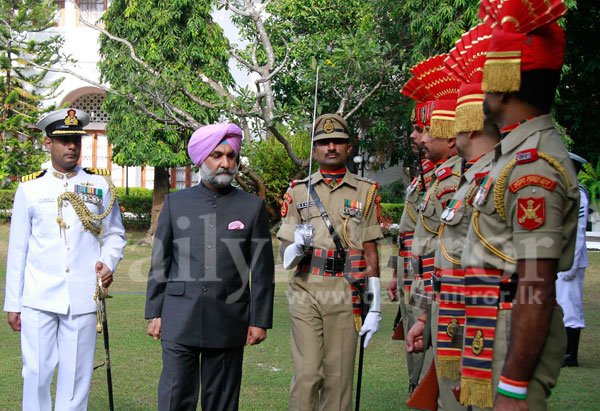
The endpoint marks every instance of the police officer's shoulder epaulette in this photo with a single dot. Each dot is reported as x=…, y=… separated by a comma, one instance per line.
x=97, y=171
x=294, y=182
x=366, y=180
x=33, y=176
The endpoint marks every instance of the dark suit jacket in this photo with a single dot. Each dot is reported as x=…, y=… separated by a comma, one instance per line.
x=212, y=271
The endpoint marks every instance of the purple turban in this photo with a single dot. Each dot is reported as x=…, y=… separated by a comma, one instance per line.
x=206, y=138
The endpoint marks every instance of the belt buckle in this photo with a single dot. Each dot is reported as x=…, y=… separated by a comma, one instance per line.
x=420, y=298
x=333, y=265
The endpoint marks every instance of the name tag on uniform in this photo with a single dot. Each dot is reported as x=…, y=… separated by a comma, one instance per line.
x=305, y=204
x=47, y=200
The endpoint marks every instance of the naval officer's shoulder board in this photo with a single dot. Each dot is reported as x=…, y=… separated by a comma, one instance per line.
x=97, y=171
x=33, y=176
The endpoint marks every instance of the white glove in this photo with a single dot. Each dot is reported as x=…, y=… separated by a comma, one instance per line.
x=567, y=275
x=371, y=324
x=294, y=252
x=370, y=327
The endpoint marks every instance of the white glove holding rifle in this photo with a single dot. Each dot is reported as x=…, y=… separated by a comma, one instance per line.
x=294, y=252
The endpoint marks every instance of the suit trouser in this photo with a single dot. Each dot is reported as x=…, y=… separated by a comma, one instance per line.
x=183, y=366
x=48, y=339
x=323, y=343
x=547, y=368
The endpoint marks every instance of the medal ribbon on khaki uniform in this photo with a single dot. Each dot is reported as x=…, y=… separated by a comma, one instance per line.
x=482, y=296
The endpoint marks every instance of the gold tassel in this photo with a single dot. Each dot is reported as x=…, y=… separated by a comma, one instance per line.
x=502, y=76
x=357, y=322
x=449, y=367
x=476, y=391
x=469, y=117
x=442, y=128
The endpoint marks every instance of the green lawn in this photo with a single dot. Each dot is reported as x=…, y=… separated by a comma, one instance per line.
x=136, y=360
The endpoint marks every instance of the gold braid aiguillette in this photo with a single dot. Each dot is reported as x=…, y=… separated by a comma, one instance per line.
x=84, y=213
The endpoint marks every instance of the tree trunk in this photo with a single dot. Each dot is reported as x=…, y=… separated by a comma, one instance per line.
x=161, y=189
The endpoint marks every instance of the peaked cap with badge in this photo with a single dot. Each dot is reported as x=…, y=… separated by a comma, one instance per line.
x=331, y=126
x=64, y=123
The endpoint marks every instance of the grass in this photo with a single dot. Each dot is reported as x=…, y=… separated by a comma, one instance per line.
x=136, y=358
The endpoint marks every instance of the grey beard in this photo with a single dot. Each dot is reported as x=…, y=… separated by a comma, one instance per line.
x=220, y=178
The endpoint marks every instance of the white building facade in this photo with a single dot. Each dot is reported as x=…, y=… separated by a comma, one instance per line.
x=82, y=43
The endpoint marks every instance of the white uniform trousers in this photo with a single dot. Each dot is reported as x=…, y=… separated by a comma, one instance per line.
x=569, y=295
x=47, y=339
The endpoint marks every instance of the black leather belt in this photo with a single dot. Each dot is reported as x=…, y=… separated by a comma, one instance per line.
x=508, y=291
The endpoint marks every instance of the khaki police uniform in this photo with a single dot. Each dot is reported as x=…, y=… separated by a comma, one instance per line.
x=408, y=222
x=455, y=221
x=323, y=332
x=529, y=212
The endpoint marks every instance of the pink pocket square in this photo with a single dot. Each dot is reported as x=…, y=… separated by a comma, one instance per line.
x=236, y=225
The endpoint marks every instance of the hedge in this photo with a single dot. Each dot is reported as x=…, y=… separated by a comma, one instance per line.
x=135, y=207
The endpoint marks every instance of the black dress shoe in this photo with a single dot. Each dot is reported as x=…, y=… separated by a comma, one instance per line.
x=570, y=361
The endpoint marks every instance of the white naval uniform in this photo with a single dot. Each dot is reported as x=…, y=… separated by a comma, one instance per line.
x=50, y=280
x=569, y=286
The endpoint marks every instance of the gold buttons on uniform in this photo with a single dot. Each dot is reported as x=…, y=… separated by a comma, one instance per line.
x=68, y=270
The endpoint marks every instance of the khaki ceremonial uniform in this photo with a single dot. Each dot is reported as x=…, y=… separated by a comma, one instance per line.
x=323, y=332
x=455, y=221
x=408, y=222
x=425, y=240
x=530, y=212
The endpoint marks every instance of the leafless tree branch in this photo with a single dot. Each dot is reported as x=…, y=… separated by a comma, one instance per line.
x=363, y=99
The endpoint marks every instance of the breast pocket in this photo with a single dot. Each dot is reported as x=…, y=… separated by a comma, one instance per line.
x=351, y=229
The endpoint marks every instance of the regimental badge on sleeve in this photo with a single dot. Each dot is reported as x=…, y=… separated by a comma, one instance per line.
x=531, y=212
x=287, y=199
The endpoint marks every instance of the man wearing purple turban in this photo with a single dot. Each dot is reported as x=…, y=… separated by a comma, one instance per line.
x=210, y=285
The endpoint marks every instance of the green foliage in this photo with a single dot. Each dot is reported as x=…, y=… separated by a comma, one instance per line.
x=589, y=177
x=578, y=102
x=22, y=87
x=436, y=24
x=135, y=207
x=179, y=41
x=393, y=211
x=19, y=158
x=270, y=161
x=393, y=193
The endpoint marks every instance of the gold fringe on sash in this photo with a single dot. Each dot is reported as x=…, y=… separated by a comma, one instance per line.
x=477, y=392
x=358, y=322
x=469, y=117
x=449, y=367
x=442, y=128
x=502, y=76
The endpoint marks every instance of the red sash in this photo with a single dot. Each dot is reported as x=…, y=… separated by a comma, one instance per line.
x=452, y=315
